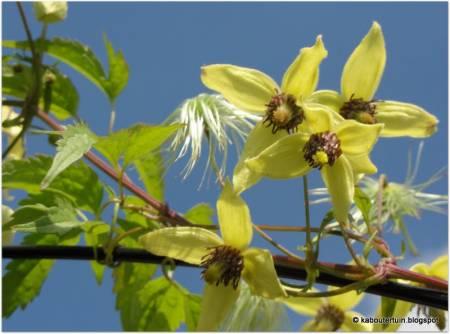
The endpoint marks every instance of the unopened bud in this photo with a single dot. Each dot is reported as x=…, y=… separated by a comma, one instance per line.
x=50, y=11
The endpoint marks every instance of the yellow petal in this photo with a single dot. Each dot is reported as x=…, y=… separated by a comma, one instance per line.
x=401, y=310
x=364, y=68
x=282, y=160
x=345, y=301
x=439, y=267
x=318, y=118
x=304, y=305
x=329, y=98
x=216, y=303
x=357, y=138
x=404, y=119
x=260, y=275
x=340, y=183
x=302, y=76
x=352, y=326
x=246, y=88
x=234, y=218
x=18, y=151
x=259, y=138
x=188, y=244
x=361, y=164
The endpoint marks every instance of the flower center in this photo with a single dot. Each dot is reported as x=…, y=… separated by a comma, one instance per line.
x=329, y=318
x=224, y=265
x=359, y=110
x=283, y=113
x=321, y=149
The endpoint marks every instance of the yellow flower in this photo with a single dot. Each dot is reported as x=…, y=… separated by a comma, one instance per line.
x=18, y=151
x=283, y=108
x=225, y=260
x=330, y=314
x=360, y=79
x=439, y=269
x=340, y=152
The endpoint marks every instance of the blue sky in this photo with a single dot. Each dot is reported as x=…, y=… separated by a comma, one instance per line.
x=166, y=43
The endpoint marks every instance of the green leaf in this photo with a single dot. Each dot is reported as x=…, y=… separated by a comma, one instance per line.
x=96, y=233
x=73, y=53
x=192, y=307
x=151, y=173
x=133, y=143
x=164, y=309
x=134, y=218
x=118, y=71
x=201, y=214
x=23, y=279
x=79, y=183
x=364, y=204
x=63, y=95
x=75, y=142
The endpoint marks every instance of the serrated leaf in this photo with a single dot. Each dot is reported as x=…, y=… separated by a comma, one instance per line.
x=165, y=306
x=133, y=143
x=78, y=183
x=64, y=96
x=201, y=214
x=58, y=219
x=192, y=307
x=75, y=142
x=23, y=279
x=151, y=173
x=118, y=71
x=73, y=53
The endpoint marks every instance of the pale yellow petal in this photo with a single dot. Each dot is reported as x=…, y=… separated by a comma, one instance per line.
x=318, y=118
x=188, y=244
x=259, y=138
x=405, y=119
x=361, y=164
x=339, y=180
x=439, y=267
x=301, y=78
x=364, y=68
x=401, y=310
x=350, y=325
x=246, y=88
x=216, y=303
x=357, y=138
x=329, y=98
x=234, y=218
x=260, y=275
x=304, y=305
x=345, y=301
x=282, y=160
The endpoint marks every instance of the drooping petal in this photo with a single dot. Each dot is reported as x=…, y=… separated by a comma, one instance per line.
x=259, y=138
x=401, y=310
x=304, y=305
x=339, y=180
x=260, y=275
x=244, y=87
x=188, y=244
x=234, y=218
x=329, y=98
x=364, y=68
x=302, y=76
x=345, y=301
x=318, y=118
x=405, y=119
x=216, y=303
x=439, y=267
x=349, y=325
x=282, y=160
x=357, y=138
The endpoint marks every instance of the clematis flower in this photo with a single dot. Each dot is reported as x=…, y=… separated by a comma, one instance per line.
x=18, y=151
x=225, y=261
x=331, y=313
x=283, y=108
x=360, y=79
x=340, y=152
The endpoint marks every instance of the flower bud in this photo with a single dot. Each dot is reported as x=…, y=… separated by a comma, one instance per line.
x=50, y=11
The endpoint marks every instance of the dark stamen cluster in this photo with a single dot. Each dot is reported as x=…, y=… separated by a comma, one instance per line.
x=360, y=110
x=326, y=142
x=332, y=314
x=283, y=113
x=228, y=260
